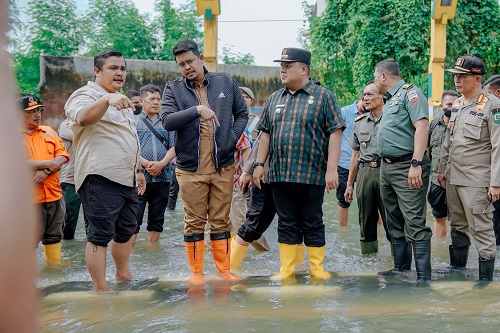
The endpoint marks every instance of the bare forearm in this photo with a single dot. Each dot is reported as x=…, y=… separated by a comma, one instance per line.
x=263, y=148
x=334, y=150
x=169, y=156
x=92, y=113
x=60, y=160
x=420, y=139
x=353, y=167
x=39, y=164
x=245, y=153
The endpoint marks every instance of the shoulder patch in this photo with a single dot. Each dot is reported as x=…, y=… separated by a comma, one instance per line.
x=495, y=115
x=360, y=117
x=407, y=86
x=412, y=96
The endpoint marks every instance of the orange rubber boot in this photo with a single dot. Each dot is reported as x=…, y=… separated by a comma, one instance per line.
x=221, y=250
x=196, y=259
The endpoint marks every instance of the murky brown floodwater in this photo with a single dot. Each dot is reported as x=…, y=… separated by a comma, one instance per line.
x=355, y=300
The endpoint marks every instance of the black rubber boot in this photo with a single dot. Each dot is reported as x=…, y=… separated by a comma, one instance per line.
x=422, y=253
x=486, y=268
x=458, y=256
x=401, y=252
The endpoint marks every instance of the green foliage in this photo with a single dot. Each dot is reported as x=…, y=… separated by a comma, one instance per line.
x=176, y=25
x=351, y=37
x=230, y=57
x=118, y=25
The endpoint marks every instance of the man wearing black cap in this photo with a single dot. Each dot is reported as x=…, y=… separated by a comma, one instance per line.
x=46, y=154
x=469, y=167
x=302, y=128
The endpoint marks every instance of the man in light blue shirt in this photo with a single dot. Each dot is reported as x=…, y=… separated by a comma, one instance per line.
x=349, y=113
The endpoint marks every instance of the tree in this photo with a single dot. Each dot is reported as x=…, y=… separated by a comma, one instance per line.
x=350, y=37
x=230, y=57
x=176, y=25
x=118, y=25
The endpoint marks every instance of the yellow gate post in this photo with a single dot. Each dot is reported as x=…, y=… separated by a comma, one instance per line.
x=210, y=9
x=442, y=12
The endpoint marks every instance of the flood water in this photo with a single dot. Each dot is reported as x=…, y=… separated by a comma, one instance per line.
x=356, y=299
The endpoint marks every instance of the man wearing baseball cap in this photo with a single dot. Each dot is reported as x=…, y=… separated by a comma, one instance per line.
x=46, y=154
x=469, y=168
x=300, y=117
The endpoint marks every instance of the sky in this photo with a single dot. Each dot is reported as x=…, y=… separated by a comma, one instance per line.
x=278, y=26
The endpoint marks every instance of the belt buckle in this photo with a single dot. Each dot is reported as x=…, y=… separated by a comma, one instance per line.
x=373, y=164
x=387, y=160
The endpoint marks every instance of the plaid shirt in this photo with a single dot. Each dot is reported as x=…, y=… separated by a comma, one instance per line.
x=299, y=126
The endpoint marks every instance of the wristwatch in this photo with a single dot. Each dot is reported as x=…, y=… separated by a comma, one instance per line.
x=415, y=162
x=256, y=164
x=47, y=171
x=140, y=171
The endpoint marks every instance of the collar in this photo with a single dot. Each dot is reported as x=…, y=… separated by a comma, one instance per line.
x=308, y=88
x=197, y=85
x=394, y=89
x=372, y=117
x=99, y=88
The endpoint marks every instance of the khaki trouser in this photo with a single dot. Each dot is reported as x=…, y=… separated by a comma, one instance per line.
x=206, y=198
x=465, y=208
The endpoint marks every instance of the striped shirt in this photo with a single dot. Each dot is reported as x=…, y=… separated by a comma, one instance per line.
x=299, y=126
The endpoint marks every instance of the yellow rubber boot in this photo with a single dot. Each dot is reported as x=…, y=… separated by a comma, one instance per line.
x=53, y=253
x=238, y=252
x=196, y=260
x=221, y=250
x=299, y=255
x=316, y=257
x=288, y=253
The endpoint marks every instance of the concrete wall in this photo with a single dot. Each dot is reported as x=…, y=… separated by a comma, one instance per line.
x=60, y=76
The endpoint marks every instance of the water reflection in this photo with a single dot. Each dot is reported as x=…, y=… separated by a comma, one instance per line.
x=356, y=299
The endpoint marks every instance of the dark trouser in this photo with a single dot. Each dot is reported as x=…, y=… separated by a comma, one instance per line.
x=405, y=208
x=369, y=203
x=496, y=221
x=437, y=200
x=300, y=212
x=343, y=176
x=174, y=189
x=52, y=221
x=260, y=214
x=73, y=204
x=156, y=196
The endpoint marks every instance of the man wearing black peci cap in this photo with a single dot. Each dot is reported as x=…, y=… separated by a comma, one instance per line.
x=301, y=132
x=404, y=173
x=469, y=167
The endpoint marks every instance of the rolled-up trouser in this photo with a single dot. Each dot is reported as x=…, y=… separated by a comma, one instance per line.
x=369, y=203
x=206, y=197
x=52, y=221
x=405, y=208
x=466, y=205
x=260, y=214
x=73, y=204
x=300, y=213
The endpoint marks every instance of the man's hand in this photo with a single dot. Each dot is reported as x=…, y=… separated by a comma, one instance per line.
x=494, y=193
x=40, y=176
x=244, y=180
x=442, y=180
x=141, y=183
x=332, y=180
x=348, y=193
x=258, y=176
x=155, y=168
x=53, y=166
x=120, y=102
x=207, y=114
x=415, y=177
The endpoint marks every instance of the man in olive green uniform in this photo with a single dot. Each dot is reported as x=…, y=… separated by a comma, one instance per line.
x=404, y=173
x=365, y=168
x=470, y=162
x=437, y=194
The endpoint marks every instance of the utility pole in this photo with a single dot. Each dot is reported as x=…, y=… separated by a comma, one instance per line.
x=210, y=9
x=442, y=12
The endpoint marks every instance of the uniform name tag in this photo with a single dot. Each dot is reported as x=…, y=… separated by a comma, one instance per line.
x=393, y=102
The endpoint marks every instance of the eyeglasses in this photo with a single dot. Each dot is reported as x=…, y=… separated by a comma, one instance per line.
x=37, y=110
x=462, y=76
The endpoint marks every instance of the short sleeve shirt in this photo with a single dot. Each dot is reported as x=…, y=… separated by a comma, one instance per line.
x=299, y=126
x=404, y=106
x=364, y=138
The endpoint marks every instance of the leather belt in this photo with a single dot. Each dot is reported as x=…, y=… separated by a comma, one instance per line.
x=404, y=158
x=372, y=164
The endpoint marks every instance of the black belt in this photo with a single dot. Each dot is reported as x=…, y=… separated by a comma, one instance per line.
x=404, y=158
x=372, y=164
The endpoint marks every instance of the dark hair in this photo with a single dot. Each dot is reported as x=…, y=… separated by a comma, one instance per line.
x=151, y=88
x=369, y=82
x=184, y=46
x=132, y=93
x=493, y=81
x=100, y=58
x=449, y=93
x=389, y=66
